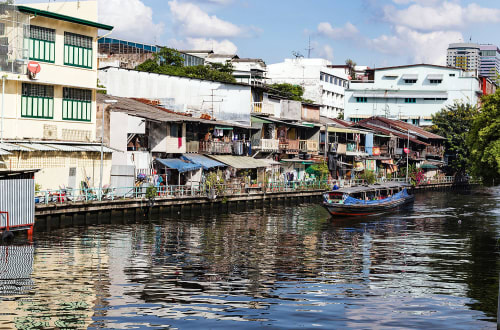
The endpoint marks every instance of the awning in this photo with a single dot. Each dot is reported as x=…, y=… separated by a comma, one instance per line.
x=392, y=94
x=271, y=162
x=13, y=147
x=260, y=120
x=241, y=162
x=66, y=147
x=37, y=146
x=224, y=128
x=178, y=164
x=298, y=161
x=344, y=130
x=435, y=76
x=410, y=76
x=429, y=166
x=205, y=162
x=4, y=152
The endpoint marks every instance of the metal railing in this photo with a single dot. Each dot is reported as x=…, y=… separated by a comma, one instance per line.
x=192, y=147
x=268, y=145
x=63, y=196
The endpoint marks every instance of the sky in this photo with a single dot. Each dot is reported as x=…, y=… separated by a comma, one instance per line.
x=375, y=33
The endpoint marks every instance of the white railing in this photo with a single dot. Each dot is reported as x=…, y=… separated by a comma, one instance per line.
x=268, y=144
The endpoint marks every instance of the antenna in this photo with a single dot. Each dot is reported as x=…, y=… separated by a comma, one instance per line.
x=309, y=48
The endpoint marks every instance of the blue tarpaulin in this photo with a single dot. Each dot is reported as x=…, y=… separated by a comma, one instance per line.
x=205, y=162
x=179, y=164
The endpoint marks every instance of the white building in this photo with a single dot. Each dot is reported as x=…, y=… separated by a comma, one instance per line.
x=49, y=120
x=410, y=93
x=323, y=83
x=223, y=101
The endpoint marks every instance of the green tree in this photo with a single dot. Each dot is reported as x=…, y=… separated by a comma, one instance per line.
x=454, y=123
x=351, y=66
x=289, y=91
x=484, y=140
x=169, y=56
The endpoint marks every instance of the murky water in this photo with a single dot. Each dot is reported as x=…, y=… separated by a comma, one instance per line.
x=291, y=267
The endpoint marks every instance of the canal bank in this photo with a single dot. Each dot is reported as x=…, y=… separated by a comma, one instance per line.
x=67, y=214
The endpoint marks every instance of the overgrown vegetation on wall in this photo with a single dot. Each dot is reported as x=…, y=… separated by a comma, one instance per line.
x=169, y=61
x=289, y=91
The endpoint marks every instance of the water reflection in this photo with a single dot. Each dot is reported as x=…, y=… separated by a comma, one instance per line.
x=280, y=267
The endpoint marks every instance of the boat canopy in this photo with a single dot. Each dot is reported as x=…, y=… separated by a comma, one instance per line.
x=373, y=187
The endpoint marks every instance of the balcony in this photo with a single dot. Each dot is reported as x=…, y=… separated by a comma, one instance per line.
x=268, y=145
x=216, y=147
x=262, y=108
x=290, y=147
x=192, y=147
x=239, y=148
x=433, y=151
x=312, y=146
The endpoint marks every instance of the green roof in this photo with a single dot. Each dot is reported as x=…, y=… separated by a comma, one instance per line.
x=49, y=14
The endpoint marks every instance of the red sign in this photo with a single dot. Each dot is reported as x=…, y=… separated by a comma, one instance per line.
x=34, y=67
x=407, y=151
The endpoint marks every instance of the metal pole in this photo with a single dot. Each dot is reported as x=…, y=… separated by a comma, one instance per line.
x=407, y=156
x=102, y=152
x=326, y=141
x=3, y=108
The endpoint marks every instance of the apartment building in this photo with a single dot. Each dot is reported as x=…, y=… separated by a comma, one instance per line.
x=464, y=55
x=322, y=83
x=48, y=113
x=490, y=61
x=411, y=93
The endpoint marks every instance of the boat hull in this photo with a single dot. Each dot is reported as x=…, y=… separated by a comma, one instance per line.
x=343, y=210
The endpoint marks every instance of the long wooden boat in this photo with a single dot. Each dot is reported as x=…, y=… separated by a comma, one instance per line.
x=367, y=199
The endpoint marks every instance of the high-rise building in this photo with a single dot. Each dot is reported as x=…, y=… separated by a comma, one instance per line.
x=490, y=61
x=464, y=56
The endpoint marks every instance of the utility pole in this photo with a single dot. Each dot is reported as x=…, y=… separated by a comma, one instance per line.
x=309, y=48
x=407, y=155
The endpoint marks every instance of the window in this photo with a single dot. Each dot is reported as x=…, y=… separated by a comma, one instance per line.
x=322, y=77
x=436, y=81
x=362, y=99
x=415, y=122
x=355, y=120
x=77, y=50
x=37, y=101
x=410, y=100
x=452, y=75
x=410, y=81
x=41, y=44
x=77, y=104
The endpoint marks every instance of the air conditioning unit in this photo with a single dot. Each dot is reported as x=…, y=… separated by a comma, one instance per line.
x=50, y=132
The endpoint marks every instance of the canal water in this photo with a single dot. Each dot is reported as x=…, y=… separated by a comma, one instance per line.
x=279, y=267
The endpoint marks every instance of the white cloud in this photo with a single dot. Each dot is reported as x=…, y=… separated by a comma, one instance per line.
x=326, y=51
x=432, y=15
x=345, y=32
x=420, y=47
x=220, y=47
x=131, y=19
x=191, y=21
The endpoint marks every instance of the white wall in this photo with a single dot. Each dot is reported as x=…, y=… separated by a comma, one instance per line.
x=186, y=93
x=307, y=73
x=390, y=83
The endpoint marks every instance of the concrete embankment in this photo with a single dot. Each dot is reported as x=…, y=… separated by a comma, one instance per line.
x=68, y=214
x=97, y=212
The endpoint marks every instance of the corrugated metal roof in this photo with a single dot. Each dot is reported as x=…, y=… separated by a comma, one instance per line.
x=4, y=152
x=13, y=147
x=410, y=76
x=66, y=147
x=37, y=146
x=142, y=110
x=241, y=162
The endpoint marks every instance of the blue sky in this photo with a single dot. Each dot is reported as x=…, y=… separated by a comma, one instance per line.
x=371, y=32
